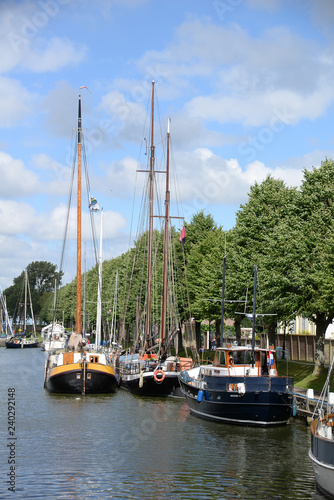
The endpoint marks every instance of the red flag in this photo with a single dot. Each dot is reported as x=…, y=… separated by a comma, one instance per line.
x=182, y=238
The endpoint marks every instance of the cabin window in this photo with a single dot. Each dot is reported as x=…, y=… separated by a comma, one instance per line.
x=238, y=358
x=94, y=359
x=89, y=376
x=78, y=376
x=222, y=360
x=247, y=357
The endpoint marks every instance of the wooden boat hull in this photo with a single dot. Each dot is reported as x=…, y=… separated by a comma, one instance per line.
x=75, y=379
x=149, y=387
x=262, y=402
x=322, y=456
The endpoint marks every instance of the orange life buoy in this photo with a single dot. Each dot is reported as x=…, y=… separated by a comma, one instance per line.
x=159, y=376
x=56, y=337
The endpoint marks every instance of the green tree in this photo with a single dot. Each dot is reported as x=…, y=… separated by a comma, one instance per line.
x=42, y=277
x=270, y=205
x=204, y=256
x=316, y=286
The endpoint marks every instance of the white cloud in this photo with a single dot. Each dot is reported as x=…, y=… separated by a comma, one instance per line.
x=53, y=55
x=15, y=102
x=251, y=77
x=22, y=27
x=18, y=218
x=119, y=178
x=16, y=179
x=127, y=116
x=206, y=179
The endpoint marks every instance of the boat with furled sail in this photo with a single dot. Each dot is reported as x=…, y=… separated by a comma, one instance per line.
x=149, y=369
x=79, y=368
x=54, y=337
x=23, y=339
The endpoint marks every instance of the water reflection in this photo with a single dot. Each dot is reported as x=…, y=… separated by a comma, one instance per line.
x=121, y=446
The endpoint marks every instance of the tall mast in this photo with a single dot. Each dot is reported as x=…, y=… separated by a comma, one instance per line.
x=25, y=300
x=99, y=291
x=150, y=229
x=165, y=264
x=78, y=316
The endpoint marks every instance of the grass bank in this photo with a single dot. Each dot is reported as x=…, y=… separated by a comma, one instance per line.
x=302, y=374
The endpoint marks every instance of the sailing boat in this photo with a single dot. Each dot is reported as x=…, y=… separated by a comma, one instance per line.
x=54, y=335
x=322, y=439
x=151, y=372
x=241, y=386
x=5, y=323
x=79, y=368
x=22, y=340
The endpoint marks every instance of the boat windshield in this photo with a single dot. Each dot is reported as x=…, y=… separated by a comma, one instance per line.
x=241, y=357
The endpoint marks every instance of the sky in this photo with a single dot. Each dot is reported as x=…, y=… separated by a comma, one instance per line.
x=248, y=85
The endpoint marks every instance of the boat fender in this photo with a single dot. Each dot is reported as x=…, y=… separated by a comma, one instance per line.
x=294, y=410
x=141, y=379
x=200, y=395
x=207, y=396
x=159, y=376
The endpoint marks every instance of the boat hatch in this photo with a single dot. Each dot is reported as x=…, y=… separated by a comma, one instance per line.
x=68, y=357
x=93, y=359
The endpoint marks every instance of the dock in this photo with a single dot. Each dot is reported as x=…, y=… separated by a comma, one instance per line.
x=305, y=402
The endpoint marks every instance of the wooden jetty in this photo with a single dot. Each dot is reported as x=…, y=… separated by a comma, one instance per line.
x=305, y=402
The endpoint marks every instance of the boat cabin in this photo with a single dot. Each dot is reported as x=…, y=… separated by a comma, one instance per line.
x=238, y=360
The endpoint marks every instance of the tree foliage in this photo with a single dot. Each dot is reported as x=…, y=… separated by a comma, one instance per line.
x=287, y=232
x=42, y=278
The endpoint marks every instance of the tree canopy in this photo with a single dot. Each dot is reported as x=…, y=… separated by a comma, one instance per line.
x=42, y=278
x=287, y=232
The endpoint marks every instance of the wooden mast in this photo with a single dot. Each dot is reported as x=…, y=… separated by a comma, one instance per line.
x=78, y=315
x=165, y=262
x=150, y=231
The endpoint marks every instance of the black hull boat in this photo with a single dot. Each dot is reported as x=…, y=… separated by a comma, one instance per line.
x=145, y=376
x=82, y=371
x=78, y=368
x=78, y=381
x=240, y=400
x=241, y=386
x=232, y=390
x=148, y=386
x=20, y=343
x=149, y=369
x=22, y=340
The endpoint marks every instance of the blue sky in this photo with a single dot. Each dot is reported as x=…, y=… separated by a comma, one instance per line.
x=248, y=85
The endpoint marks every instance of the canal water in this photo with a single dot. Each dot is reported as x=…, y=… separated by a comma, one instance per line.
x=124, y=447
